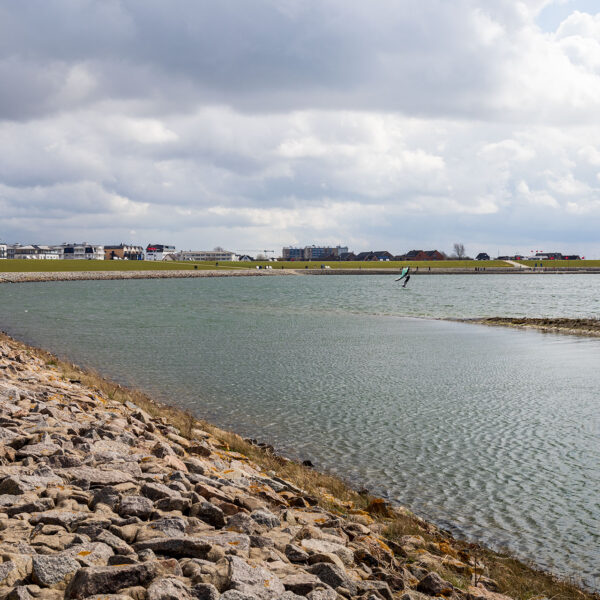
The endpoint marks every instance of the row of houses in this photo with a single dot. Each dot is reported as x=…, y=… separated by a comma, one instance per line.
x=340, y=253
x=543, y=256
x=40, y=252
x=85, y=251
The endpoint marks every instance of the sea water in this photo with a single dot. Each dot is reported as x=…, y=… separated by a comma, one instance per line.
x=491, y=433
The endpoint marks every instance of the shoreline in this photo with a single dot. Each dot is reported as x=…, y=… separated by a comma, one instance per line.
x=41, y=276
x=406, y=549
x=558, y=325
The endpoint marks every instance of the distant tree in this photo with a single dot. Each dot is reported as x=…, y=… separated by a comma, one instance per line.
x=219, y=249
x=459, y=250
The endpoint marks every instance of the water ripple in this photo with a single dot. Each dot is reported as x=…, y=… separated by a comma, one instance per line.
x=493, y=434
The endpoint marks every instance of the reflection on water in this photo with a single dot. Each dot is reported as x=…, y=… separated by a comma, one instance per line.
x=492, y=433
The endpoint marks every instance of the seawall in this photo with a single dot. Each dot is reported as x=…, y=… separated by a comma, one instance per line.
x=24, y=277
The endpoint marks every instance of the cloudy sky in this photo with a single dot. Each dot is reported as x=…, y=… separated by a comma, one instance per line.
x=253, y=124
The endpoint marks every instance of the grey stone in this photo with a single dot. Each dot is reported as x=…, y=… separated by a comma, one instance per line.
x=19, y=593
x=90, y=554
x=195, y=466
x=205, y=591
x=324, y=594
x=433, y=585
x=106, y=495
x=9, y=499
x=122, y=559
x=175, y=503
x=260, y=541
x=232, y=543
x=156, y=491
x=243, y=523
x=50, y=571
x=326, y=547
x=209, y=513
x=64, y=518
x=295, y=554
x=38, y=450
x=33, y=506
x=21, y=484
x=116, y=543
x=9, y=574
x=135, y=506
x=326, y=558
x=65, y=461
x=333, y=576
x=97, y=477
x=253, y=580
x=176, y=547
x=109, y=580
x=146, y=555
x=265, y=517
x=237, y=595
x=161, y=450
x=302, y=583
x=201, y=449
x=167, y=589
x=381, y=587
x=92, y=527
x=170, y=526
x=109, y=597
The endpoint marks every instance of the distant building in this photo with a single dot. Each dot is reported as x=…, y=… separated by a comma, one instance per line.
x=159, y=251
x=211, y=255
x=83, y=251
x=33, y=252
x=2, y=251
x=482, y=256
x=548, y=256
x=314, y=253
x=245, y=258
x=421, y=255
x=123, y=252
x=374, y=255
x=292, y=253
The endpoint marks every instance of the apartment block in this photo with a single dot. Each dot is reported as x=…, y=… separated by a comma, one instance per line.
x=83, y=251
x=314, y=253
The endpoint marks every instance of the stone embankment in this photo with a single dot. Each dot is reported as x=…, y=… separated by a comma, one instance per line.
x=23, y=277
x=99, y=499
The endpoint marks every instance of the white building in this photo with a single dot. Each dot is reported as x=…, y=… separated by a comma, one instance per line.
x=2, y=251
x=159, y=251
x=83, y=251
x=212, y=255
x=32, y=252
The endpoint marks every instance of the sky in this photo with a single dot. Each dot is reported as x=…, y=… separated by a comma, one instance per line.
x=256, y=124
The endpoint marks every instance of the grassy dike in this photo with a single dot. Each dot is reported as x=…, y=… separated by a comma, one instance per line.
x=458, y=562
x=66, y=266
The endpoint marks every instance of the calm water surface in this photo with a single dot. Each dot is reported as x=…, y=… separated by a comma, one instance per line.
x=493, y=433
